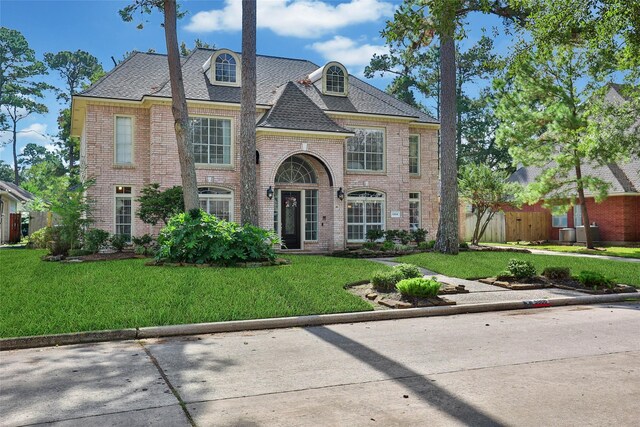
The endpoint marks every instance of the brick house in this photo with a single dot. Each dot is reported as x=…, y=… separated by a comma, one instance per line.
x=335, y=156
x=617, y=217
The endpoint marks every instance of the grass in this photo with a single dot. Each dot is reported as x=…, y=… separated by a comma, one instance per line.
x=619, y=251
x=39, y=297
x=469, y=265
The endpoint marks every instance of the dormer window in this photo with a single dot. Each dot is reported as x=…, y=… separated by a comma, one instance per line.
x=225, y=68
x=335, y=79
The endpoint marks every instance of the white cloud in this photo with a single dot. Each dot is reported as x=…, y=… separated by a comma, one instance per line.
x=352, y=54
x=35, y=132
x=299, y=18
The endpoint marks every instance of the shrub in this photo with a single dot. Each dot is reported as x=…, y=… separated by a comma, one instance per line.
x=594, y=279
x=463, y=245
x=73, y=208
x=119, y=242
x=58, y=244
x=419, y=235
x=144, y=245
x=370, y=245
x=521, y=269
x=390, y=235
x=40, y=238
x=388, y=245
x=156, y=205
x=79, y=252
x=404, y=236
x=374, y=234
x=408, y=271
x=419, y=287
x=557, y=273
x=95, y=239
x=200, y=238
x=385, y=281
x=427, y=245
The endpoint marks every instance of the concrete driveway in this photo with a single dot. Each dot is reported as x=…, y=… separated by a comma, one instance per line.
x=556, y=366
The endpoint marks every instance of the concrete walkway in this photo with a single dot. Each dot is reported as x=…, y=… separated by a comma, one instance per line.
x=483, y=293
x=607, y=257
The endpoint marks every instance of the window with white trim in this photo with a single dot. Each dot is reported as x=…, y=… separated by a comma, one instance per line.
x=217, y=202
x=335, y=80
x=577, y=216
x=414, y=211
x=311, y=215
x=295, y=170
x=365, y=211
x=211, y=140
x=226, y=67
x=124, y=140
x=414, y=154
x=365, y=150
x=124, y=212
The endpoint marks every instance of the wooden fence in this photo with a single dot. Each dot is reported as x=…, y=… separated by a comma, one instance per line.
x=527, y=226
x=495, y=232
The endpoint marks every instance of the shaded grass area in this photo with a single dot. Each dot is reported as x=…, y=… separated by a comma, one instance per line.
x=469, y=265
x=619, y=251
x=39, y=297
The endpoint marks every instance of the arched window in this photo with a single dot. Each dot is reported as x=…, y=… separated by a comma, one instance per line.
x=225, y=68
x=217, y=201
x=335, y=80
x=365, y=211
x=296, y=170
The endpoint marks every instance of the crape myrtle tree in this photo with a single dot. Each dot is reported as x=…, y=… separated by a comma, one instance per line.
x=182, y=127
x=422, y=21
x=554, y=114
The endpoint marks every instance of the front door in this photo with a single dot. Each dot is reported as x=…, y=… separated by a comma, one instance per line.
x=15, y=227
x=290, y=208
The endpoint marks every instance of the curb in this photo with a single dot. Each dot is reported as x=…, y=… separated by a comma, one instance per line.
x=299, y=321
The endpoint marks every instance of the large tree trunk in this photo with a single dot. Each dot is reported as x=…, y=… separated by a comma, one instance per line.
x=179, y=110
x=583, y=204
x=249, y=192
x=16, y=172
x=447, y=237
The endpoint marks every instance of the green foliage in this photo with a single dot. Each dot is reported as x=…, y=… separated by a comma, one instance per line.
x=464, y=245
x=404, y=236
x=409, y=271
x=388, y=245
x=75, y=68
x=385, y=281
x=390, y=235
x=557, y=273
x=144, y=245
x=419, y=235
x=78, y=252
x=374, y=234
x=119, y=242
x=197, y=237
x=593, y=279
x=74, y=211
x=39, y=238
x=156, y=205
x=6, y=171
x=427, y=245
x=370, y=245
x=95, y=239
x=521, y=269
x=419, y=287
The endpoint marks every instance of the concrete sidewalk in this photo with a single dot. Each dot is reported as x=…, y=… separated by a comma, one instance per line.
x=557, y=366
x=606, y=257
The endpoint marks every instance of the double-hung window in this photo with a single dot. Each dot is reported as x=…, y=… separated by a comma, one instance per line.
x=365, y=150
x=365, y=211
x=414, y=154
x=124, y=140
x=124, y=212
x=211, y=140
x=311, y=215
x=217, y=202
x=414, y=211
x=558, y=219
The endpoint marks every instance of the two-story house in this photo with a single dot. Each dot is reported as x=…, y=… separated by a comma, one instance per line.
x=335, y=156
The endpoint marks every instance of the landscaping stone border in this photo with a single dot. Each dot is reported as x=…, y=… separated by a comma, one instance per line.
x=301, y=321
x=277, y=261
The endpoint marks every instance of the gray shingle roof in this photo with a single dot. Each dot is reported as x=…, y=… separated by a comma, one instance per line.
x=623, y=176
x=145, y=74
x=15, y=191
x=294, y=110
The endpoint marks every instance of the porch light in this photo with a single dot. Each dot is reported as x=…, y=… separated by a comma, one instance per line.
x=270, y=193
x=340, y=194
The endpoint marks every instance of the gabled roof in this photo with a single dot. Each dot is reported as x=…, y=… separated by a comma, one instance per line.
x=623, y=176
x=294, y=110
x=146, y=74
x=15, y=191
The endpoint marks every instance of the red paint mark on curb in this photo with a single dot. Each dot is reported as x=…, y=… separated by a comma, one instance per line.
x=537, y=303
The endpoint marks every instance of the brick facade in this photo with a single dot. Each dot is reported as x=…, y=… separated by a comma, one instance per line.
x=156, y=160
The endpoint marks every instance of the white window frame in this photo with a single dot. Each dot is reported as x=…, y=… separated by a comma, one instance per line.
x=365, y=224
x=227, y=197
x=345, y=75
x=212, y=76
x=316, y=214
x=124, y=196
x=417, y=173
x=419, y=201
x=115, y=139
x=384, y=151
x=231, y=143
x=577, y=214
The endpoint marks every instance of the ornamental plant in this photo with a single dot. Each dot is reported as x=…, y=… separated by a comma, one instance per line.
x=520, y=269
x=419, y=287
x=385, y=281
x=409, y=271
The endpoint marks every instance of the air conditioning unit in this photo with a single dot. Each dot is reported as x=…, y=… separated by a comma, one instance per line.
x=568, y=235
x=580, y=234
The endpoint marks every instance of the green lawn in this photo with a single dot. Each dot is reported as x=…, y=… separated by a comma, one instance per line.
x=619, y=251
x=469, y=265
x=39, y=297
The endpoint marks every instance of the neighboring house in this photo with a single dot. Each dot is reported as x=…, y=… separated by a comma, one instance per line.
x=617, y=217
x=12, y=200
x=335, y=156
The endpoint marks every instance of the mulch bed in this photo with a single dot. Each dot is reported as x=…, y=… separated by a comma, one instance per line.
x=255, y=264
x=109, y=256
x=497, y=249
x=390, y=300
x=541, y=282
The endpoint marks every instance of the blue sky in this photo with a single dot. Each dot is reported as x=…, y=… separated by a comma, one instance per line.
x=317, y=30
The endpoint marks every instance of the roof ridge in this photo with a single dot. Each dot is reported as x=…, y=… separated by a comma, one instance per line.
x=380, y=98
x=258, y=55
x=108, y=73
x=182, y=64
